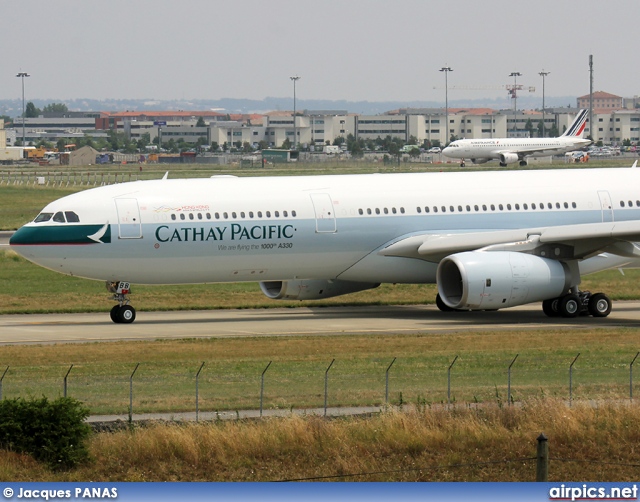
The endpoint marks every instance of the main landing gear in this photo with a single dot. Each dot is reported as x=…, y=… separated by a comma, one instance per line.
x=123, y=313
x=580, y=303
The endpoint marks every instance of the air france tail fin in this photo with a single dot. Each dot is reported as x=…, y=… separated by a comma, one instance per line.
x=577, y=127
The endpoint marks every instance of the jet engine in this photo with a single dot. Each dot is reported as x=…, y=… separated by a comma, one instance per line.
x=479, y=161
x=491, y=280
x=508, y=158
x=312, y=289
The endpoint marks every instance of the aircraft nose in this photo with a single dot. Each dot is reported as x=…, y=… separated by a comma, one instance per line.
x=20, y=237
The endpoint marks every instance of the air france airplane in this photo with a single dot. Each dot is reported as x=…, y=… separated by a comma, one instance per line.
x=511, y=150
x=490, y=240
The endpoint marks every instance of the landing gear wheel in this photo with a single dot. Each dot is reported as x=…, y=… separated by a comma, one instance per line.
x=523, y=163
x=550, y=307
x=441, y=305
x=462, y=164
x=599, y=305
x=126, y=314
x=114, y=313
x=569, y=305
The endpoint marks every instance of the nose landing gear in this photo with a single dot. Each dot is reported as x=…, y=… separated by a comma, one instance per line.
x=123, y=313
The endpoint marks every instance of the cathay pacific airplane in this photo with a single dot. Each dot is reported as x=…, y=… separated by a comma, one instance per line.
x=511, y=150
x=490, y=240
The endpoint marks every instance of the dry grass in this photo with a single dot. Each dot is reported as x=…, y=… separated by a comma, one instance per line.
x=588, y=443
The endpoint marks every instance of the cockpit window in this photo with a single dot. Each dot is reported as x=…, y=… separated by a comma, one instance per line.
x=71, y=217
x=59, y=217
x=43, y=217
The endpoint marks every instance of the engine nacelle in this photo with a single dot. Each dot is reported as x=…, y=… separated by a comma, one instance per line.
x=492, y=280
x=479, y=161
x=509, y=158
x=312, y=289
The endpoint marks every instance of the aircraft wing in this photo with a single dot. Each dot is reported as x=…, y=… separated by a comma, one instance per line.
x=567, y=242
x=526, y=150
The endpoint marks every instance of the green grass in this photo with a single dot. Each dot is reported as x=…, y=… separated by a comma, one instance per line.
x=230, y=380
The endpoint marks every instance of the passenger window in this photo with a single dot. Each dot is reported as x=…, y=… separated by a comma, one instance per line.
x=293, y=213
x=191, y=216
x=493, y=207
x=59, y=217
x=182, y=216
x=285, y=213
x=241, y=214
x=419, y=210
x=426, y=209
x=71, y=217
x=199, y=216
x=525, y=207
x=360, y=211
x=277, y=214
x=250, y=214
x=377, y=210
x=173, y=216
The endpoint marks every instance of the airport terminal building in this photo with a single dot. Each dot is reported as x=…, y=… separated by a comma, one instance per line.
x=614, y=122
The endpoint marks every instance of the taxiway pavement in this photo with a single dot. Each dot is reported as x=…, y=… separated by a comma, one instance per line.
x=425, y=319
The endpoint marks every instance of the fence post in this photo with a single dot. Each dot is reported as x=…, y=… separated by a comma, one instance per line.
x=1, y=380
x=326, y=386
x=262, y=386
x=630, y=377
x=131, y=393
x=386, y=385
x=65, y=380
x=509, y=380
x=449, y=380
x=542, y=463
x=571, y=380
x=197, y=377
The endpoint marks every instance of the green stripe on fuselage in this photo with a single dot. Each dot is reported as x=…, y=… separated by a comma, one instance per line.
x=59, y=234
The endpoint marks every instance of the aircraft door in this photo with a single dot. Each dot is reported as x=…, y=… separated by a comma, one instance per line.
x=325, y=216
x=129, y=224
x=606, y=205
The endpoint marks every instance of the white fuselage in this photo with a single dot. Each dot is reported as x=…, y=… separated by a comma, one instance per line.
x=495, y=149
x=227, y=229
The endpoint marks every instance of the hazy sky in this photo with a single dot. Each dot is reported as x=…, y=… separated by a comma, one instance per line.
x=374, y=50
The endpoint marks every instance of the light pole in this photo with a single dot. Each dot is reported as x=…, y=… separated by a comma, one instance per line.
x=515, y=75
x=23, y=74
x=446, y=70
x=295, y=134
x=543, y=74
